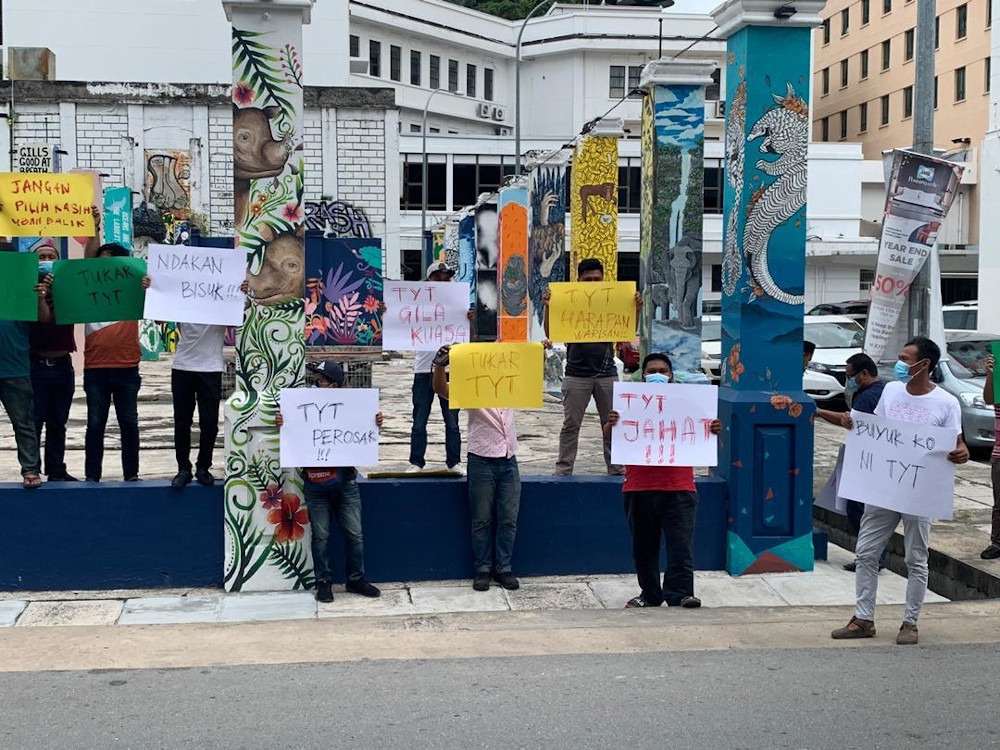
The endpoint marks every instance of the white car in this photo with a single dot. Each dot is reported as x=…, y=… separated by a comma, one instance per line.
x=837, y=337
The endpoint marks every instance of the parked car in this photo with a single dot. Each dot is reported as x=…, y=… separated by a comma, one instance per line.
x=836, y=337
x=628, y=353
x=961, y=316
x=711, y=307
x=711, y=347
x=856, y=309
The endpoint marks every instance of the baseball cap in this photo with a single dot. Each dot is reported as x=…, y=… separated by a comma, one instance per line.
x=332, y=371
x=438, y=267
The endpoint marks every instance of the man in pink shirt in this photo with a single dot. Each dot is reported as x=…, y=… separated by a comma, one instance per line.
x=494, y=485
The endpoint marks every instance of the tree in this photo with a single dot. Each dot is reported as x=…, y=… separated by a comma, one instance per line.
x=509, y=9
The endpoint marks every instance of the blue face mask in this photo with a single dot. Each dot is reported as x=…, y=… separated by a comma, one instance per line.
x=657, y=377
x=902, y=371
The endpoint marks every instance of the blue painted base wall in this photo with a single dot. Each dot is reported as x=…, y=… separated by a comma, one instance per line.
x=86, y=536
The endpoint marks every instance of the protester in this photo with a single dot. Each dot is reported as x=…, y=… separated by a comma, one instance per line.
x=111, y=357
x=15, y=383
x=993, y=551
x=335, y=490
x=590, y=373
x=196, y=378
x=863, y=389
x=423, y=400
x=494, y=486
x=912, y=398
x=661, y=501
x=808, y=350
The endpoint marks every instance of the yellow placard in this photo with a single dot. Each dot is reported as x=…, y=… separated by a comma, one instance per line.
x=36, y=204
x=592, y=311
x=492, y=376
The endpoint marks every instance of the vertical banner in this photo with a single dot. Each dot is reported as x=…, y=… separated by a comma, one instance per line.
x=547, y=239
x=118, y=216
x=594, y=199
x=487, y=257
x=920, y=193
x=266, y=544
x=514, y=263
x=467, y=254
x=343, y=291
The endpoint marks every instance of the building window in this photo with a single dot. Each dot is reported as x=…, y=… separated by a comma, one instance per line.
x=414, y=128
x=414, y=68
x=935, y=91
x=411, y=197
x=909, y=39
x=989, y=72
x=886, y=6
x=886, y=53
x=864, y=64
x=866, y=12
x=843, y=125
x=630, y=186
x=433, y=130
x=885, y=110
x=962, y=21
x=714, y=188
x=866, y=277
x=355, y=46
x=845, y=21
x=616, y=82
x=375, y=58
x=634, y=74
x=989, y=14
x=453, y=76
x=395, y=63
x=716, y=277
x=475, y=175
x=488, y=84
x=435, y=72
x=908, y=102
x=863, y=117
x=843, y=73
x=960, y=84
x=713, y=90
x=825, y=80
x=937, y=32
x=826, y=31
x=470, y=80
x=824, y=129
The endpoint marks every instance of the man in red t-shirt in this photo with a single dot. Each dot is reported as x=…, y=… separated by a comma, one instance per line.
x=661, y=501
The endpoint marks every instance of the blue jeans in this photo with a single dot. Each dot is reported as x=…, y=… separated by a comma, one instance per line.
x=53, y=382
x=104, y=386
x=423, y=399
x=16, y=397
x=494, y=492
x=345, y=501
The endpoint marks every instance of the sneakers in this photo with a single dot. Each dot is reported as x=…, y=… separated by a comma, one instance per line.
x=63, y=478
x=481, y=582
x=181, y=480
x=990, y=553
x=861, y=629
x=363, y=588
x=907, y=635
x=324, y=592
x=690, y=602
x=204, y=477
x=507, y=580
x=637, y=601
x=851, y=567
x=457, y=469
x=414, y=469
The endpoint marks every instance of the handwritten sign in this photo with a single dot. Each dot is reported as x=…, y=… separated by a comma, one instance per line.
x=329, y=427
x=56, y=205
x=118, y=216
x=34, y=157
x=19, y=300
x=487, y=376
x=900, y=466
x=96, y=290
x=423, y=316
x=195, y=285
x=592, y=311
x=665, y=424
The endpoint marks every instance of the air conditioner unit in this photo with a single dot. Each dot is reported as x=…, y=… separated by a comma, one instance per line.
x=503, y=131
x=485, y=110
x=720, y=110
x=499, y=113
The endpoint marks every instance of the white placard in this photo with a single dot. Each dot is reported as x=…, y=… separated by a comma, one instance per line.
x=34, y=157
x=423, y=316
x=329, y=427
x=195, y=285
x=665, y=424
x=900, y=466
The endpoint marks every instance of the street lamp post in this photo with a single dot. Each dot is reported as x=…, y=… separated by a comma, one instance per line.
x=423, y=172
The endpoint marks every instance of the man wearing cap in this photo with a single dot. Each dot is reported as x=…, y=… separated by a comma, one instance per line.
x=423, y=400
x=335, y=490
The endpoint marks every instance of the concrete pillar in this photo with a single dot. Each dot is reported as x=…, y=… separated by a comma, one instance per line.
x=513, y=271
x=266, y=524
x=989, y=195
x=766, y=452
x=673, y=151
x=594, y=198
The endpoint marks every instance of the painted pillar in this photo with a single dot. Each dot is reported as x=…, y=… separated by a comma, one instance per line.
x=513, y=271
x=594, y=198
x=673, y=178
x=547, y=238
x=766, y=453
x=487, y=257
x=266, y=522
x=466, y=273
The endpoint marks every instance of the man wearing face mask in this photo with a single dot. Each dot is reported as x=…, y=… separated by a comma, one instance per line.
x=912, y=398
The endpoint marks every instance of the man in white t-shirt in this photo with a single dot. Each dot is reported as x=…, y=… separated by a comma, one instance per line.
x=912, y=398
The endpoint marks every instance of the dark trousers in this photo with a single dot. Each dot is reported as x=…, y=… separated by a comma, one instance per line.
x=105, y=386
x=653, y=514
x=205, y=390
x=995, y=476
x=854, y=512
x=344, y=501
x=53, y=383
x=494, y=499
x=16, y=397
x=423, y=399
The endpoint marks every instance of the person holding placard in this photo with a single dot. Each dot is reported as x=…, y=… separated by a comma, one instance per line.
x=992, y=552
x=111, y=356
x=590, y=373
x=661, y=501
x=911, y=398
x=494, y=486
x=15, y=384
x=335, y=490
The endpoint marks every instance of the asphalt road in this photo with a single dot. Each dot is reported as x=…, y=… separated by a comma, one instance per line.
x=892, y=697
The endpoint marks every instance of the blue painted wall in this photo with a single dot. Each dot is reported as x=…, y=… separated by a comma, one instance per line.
x=127, y=536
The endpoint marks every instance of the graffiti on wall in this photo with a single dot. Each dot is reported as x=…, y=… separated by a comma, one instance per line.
x=343, y=291
x=467, y=254
x=487, y=256
x=451, y=244
x=513, y=270
x=594, y=203
x=337, y=219
x=547, y=241
x=168, y=181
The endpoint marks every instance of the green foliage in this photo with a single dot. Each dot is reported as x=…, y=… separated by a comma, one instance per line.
x=509, y=9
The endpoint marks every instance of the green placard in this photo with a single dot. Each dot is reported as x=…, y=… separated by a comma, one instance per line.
x=98, y=290
x=19, y=300
x=995, y=350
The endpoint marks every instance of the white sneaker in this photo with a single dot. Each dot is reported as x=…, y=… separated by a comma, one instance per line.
x=458, y=469
x=414, y=469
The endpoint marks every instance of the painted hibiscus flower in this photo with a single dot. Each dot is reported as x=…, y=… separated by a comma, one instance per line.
x=292, y=213
x=243, y=94
x=289, y=520
x=270, y=497
x=370, y=304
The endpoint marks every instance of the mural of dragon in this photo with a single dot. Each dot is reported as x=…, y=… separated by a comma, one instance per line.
x=732, y=261
x=784, y=129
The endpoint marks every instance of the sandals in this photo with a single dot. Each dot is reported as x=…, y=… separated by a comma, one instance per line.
x=32, y=481
x=864, y=629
